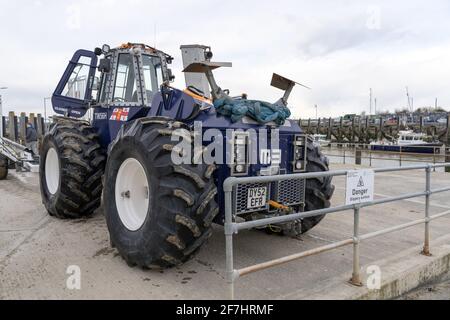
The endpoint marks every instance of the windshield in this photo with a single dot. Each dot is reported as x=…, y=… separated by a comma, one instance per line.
x=152, y=75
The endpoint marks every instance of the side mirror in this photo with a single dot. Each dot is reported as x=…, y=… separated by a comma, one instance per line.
x=170, y=75
x=104, y=65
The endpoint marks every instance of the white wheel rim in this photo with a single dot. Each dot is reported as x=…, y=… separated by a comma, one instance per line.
x=52, y=171
x=132, y=194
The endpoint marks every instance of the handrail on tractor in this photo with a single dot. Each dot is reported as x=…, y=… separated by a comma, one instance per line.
x=231, y=227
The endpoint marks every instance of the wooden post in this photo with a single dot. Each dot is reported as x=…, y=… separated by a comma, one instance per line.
x=22, y=128
x=32, y=120
x=318, y=126
x=367, y=138
x=381, y=129
x=447, y=158
x=330, y=126
x=353, y=130
x=12, y=127
x=40, y=126
x=447, y=143
x=3, y=126
x=359, y=129
x=448, y=130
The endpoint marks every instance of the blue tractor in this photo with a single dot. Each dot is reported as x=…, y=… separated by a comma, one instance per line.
x=116, y=143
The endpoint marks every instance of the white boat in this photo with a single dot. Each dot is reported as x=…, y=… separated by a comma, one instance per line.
x=408, y=141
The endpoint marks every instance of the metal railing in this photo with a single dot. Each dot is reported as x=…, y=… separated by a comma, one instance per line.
x=232, y=227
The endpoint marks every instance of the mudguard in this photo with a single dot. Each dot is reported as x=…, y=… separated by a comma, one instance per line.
x=174, y=104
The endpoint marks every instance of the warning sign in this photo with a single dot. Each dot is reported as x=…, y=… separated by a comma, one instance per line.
x=359, y=187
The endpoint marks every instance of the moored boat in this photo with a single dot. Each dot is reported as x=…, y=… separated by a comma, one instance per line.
x=408, y=142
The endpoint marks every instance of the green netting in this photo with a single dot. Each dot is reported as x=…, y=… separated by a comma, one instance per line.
x=260, y=111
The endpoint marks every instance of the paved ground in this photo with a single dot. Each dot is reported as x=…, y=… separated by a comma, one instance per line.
x=436, y=290
x=36, y=250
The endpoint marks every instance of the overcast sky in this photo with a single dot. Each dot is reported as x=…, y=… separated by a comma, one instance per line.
x=338, y=48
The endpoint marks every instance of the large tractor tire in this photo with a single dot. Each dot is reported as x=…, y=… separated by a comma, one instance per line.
x=71, y=168
x=158, y=213
x=3, y=167
x=318, y=190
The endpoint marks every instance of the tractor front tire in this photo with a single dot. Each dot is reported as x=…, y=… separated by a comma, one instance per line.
x=158, y=213
x=3, y=167
x=71, y=168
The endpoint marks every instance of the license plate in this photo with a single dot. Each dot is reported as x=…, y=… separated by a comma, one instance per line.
x=256, y=197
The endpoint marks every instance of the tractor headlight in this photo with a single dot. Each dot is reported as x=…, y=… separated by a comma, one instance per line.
x=299, y=153
x=240, y=153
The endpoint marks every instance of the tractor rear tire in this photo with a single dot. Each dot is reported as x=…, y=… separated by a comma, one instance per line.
x=3, y=167
x=318, y=190
x=71, y=168
x=178, y=206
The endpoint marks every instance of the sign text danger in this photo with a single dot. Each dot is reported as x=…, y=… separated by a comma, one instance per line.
x=359, y=186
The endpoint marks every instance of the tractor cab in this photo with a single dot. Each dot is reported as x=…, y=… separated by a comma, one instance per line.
x=127, y=76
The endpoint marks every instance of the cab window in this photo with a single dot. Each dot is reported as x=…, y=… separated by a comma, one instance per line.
x=77, y=84
x=125, y=86
x=152, y=75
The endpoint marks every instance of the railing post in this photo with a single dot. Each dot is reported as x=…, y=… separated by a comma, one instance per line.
x=447, y=156
x=434, y=158
x=400, y=156
x=426, y=246
x=344, y=156
x=358, y=154
x=356, y=277
x=229, y=243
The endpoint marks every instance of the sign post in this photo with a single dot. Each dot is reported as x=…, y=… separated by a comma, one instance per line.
x=359, y=186
x=359, y=189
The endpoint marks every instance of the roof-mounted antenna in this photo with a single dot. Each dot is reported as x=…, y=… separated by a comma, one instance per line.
x=285, y=84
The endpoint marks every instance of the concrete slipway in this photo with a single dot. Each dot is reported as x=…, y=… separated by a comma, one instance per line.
x=35, y=251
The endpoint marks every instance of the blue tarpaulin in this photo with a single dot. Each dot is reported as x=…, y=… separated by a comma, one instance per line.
x=260, y=111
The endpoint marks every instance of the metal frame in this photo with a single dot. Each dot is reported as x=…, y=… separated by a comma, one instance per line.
x=18, y=154
x=110, y=84
x=232, y=227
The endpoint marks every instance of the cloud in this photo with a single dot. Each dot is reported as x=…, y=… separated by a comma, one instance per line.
x=339, y=48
